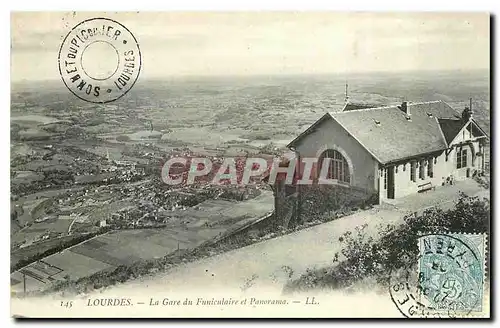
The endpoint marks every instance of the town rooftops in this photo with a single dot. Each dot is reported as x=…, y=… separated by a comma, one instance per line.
x=392, y=133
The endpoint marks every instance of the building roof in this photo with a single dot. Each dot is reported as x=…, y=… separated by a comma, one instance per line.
x=389, y=135
x=450, y=128
x=356, y=106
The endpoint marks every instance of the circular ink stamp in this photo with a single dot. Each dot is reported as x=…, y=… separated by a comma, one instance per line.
x=99, y=60
x=447, y=280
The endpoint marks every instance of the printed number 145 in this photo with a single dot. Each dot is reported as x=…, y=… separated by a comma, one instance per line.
x=67, y=304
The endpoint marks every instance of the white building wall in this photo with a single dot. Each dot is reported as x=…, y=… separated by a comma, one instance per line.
x=474, y=162
x=404, y=186
x=330, y=135
x=442, y=170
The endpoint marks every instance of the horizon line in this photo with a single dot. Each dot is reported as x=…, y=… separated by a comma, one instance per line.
x=276, y=74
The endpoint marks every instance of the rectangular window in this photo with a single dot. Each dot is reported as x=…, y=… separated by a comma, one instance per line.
x=421, y=170
x=385, y=179
x=413, y=169
x=340, y=176
x=430, y=168
x=461, y=158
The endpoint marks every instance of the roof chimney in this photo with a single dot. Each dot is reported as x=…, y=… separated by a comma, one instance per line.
x=466, y=113
x=404, y=108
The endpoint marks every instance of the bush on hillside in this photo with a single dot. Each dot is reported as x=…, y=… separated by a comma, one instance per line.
x=396, y=246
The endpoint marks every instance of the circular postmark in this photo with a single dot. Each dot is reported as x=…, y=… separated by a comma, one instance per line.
x=99, y=60
x=446, y=281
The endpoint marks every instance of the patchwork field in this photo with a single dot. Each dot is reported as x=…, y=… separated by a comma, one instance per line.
x=203, y=223
x=37, y=248
x=108, y=252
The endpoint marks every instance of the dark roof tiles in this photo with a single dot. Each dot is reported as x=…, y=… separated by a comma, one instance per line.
x=356, y=106
x=450, y=128
x=398, y=136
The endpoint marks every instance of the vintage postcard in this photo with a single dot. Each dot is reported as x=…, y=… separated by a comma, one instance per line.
x=250, y=165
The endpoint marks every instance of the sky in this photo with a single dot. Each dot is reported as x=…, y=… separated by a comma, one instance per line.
x=247, y=43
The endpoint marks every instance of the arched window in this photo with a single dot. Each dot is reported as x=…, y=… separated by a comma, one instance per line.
x=338, y=168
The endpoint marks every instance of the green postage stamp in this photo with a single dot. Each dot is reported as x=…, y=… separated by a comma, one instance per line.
x=452, y=273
